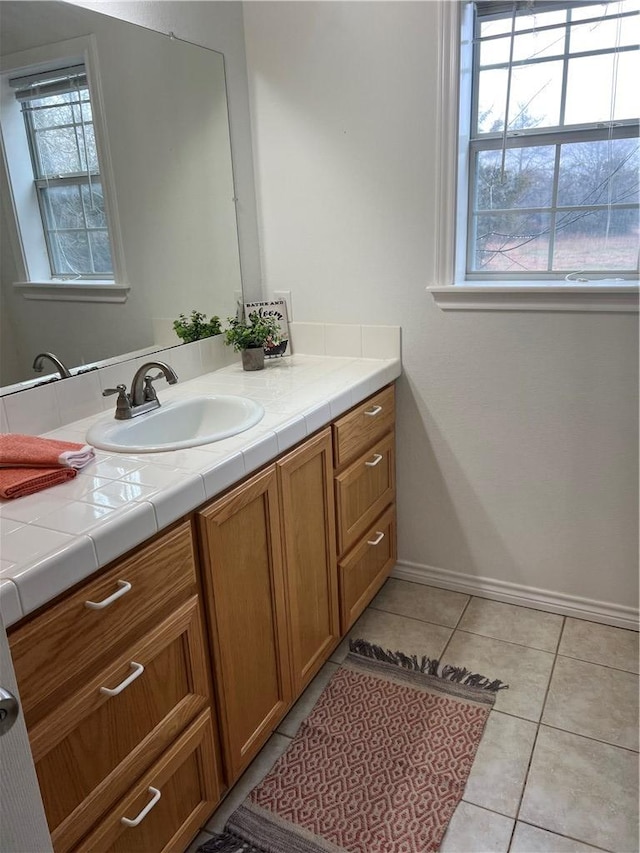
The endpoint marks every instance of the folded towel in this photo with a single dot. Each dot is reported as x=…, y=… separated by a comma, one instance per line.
x=31, y=451
x=17, y=482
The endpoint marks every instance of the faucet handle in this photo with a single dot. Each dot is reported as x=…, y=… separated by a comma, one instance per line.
x=149, y=391
x=123, y=403
x=119, y=389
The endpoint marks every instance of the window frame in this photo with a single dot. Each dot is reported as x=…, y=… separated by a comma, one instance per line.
x=549, y=136
x=447, y=283
x=20, y=202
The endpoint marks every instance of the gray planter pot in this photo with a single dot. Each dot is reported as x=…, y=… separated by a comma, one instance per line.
x=253, y=359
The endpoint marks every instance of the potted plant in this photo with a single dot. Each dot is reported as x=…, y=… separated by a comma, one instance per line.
x=196, y=327
x=249, y=337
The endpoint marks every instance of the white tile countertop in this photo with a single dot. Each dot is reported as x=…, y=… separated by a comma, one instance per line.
x=57, y=537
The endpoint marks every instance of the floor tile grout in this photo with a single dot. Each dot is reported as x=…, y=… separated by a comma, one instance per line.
x=413, y=618
x=597, y=663
x=589, y=737
x=568, y=837
x=535, y=740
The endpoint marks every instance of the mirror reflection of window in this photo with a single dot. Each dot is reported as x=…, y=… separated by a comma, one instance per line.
x=56, y=106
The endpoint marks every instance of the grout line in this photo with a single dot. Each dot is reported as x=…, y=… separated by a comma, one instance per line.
x=508, y=642
x=511, y=642
x=569, y=837
x=590, y=737
x=414, y=618
x=487, y=809
x=535, y=738
x=597, y=663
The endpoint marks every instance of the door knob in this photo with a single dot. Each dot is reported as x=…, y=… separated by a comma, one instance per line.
x=8, y=710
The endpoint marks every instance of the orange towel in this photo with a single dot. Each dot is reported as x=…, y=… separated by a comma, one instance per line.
x=31, y=451
x=17, y=482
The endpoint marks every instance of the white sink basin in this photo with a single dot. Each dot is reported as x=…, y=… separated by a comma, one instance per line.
x=178, y=424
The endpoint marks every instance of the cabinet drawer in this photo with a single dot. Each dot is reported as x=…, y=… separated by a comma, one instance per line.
x=168, y=804
x=161, y=684
x=363, y=571
x=355, y=431
x=363, y=490
x=52, y=650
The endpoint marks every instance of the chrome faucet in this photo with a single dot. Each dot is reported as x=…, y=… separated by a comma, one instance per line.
x=143, y=397
x=38, y=364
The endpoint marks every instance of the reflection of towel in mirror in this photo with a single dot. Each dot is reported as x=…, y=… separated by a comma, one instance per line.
x=18, y=482
x=32, y=451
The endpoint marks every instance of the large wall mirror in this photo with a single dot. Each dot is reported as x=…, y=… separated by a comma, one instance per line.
x=165, y=108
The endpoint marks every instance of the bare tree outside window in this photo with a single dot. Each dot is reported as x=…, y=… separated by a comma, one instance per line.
x=557, y=191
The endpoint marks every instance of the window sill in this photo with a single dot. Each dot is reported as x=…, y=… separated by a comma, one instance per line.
x=618, y=298
x=77, y=291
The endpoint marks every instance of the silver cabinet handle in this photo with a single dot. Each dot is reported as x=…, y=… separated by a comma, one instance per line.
x=125, y=586
x=137, y=668
x=375, y=411
x=377, y=540
x=377, y=457
x=145, y=811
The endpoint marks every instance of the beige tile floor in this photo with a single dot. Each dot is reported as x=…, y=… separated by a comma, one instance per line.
x=557, y=768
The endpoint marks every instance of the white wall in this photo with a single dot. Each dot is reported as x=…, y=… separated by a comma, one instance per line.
x=517, y=432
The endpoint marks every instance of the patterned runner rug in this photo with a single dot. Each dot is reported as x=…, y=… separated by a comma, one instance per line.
x=379, y=765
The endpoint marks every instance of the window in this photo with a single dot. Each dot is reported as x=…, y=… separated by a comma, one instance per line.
x=56, y=106
x=58, y=189
x=550, y=165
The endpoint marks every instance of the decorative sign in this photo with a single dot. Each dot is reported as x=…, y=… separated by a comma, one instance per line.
x=276, y=308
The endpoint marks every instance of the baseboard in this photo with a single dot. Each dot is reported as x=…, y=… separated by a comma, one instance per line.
x=526, y=596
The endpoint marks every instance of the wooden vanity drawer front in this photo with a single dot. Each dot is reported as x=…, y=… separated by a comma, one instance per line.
x=186, y=779
x=53, y=649
x=99, y=743
x=363, y=490
x=363, y=571
x=355, y=431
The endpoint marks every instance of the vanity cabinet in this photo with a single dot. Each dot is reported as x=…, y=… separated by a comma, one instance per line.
x=244, y=584
x=364, y=454
x=149, y=688
x=110, y=676
x=270, y=573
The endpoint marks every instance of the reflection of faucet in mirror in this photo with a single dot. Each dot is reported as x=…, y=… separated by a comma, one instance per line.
x=193, y=240
x=143, y=397
x=38, y=364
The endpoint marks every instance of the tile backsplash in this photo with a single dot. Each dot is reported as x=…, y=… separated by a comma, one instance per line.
x=47, y=407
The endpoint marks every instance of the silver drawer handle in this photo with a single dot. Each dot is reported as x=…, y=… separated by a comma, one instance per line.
x=377, y=457
x=377, y=540
x=145, y=811
x=125, y=586
x=137, y=668
x=375, y=411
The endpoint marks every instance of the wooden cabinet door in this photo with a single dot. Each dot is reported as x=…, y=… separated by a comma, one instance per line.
x=309, y=541
x=243, y=574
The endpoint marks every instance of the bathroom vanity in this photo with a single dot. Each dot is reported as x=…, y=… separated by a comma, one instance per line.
x=149, y=684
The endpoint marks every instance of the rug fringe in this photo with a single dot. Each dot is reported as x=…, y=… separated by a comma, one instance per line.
x=227, y=843
x=429, y=666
